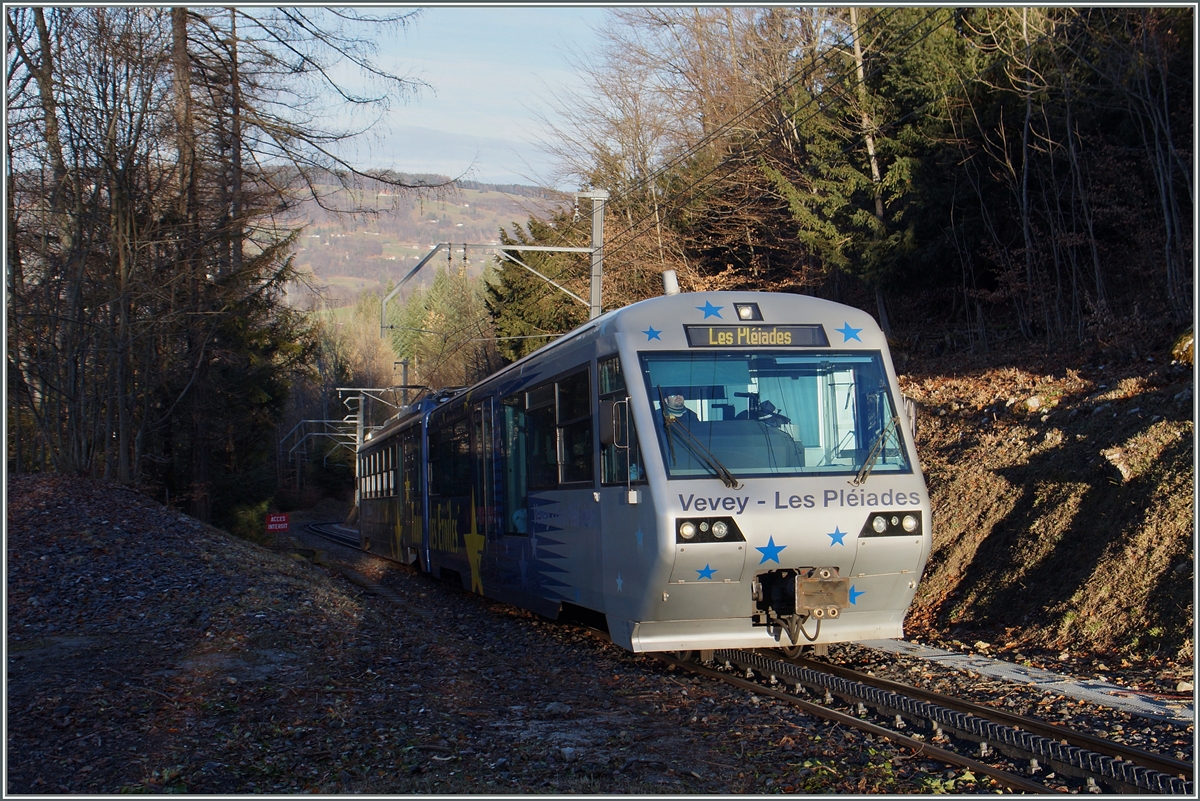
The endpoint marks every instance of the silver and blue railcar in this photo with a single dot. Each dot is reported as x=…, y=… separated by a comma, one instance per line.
x=706, y=470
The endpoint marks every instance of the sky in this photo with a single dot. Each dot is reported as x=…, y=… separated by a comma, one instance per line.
x=489, y=68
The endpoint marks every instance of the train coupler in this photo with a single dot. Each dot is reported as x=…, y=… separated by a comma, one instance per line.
x=788, y=598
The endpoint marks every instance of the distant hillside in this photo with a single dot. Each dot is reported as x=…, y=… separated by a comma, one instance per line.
x=349, y=253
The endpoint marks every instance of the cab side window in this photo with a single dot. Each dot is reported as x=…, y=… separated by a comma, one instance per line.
x=620, y=460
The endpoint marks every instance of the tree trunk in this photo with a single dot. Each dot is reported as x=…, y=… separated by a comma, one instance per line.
x=876, y=176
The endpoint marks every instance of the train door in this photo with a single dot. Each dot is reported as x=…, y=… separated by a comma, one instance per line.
x=482, y=528
x=450, y=507
x=626, y=520
x=572, y=521
x=410, y=490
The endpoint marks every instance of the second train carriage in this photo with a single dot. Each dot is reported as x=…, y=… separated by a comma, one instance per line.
x=707, y=470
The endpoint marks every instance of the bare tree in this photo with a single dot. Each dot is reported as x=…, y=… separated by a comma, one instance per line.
x=154, y=156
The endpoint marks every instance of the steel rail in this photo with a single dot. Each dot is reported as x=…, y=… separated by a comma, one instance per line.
x=1128, y=769
x=1124, y=777
x=1009, y=780
x=340, y=539
x=1159, y=762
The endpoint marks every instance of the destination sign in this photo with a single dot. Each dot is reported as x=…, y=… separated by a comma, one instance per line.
x=756, y=336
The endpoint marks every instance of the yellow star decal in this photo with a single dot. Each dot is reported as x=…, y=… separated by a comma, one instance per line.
x=475, y=542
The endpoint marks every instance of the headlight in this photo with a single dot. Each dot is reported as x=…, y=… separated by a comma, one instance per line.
x=891, y=524
x=748, y=311
x=707, y=529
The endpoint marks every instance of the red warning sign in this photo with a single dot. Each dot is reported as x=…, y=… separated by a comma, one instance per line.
x=277, y=522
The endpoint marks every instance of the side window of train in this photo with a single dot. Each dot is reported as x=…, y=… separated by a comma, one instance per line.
x=513, y=419
x=575, y=428
x=620, y=461
x=558, y=438
x=541, y=438
x=450, y=459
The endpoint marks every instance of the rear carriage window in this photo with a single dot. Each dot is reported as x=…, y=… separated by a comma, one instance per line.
x=516, y=484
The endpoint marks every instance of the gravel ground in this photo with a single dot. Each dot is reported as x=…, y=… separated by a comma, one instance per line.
x=150, y=653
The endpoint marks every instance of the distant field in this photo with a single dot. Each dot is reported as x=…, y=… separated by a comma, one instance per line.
x=351, y=282
x=351, y=253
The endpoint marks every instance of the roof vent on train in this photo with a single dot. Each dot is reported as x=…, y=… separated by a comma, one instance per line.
x=670, y=282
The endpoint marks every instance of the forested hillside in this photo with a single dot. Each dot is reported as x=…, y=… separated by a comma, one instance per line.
x=967, y=175
x=156, y=158
x=339, y=256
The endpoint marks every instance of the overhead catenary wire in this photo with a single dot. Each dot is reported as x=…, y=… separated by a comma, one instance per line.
x=817, y=107
x=718, y=131
x=816, y=104
x=853, y=142
x=613, y=245
x=539, y=291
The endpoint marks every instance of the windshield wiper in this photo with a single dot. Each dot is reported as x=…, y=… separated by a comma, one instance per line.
x=873, y=454
x=694, y=446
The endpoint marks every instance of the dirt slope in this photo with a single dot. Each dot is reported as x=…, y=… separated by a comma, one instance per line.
x=1063, y=503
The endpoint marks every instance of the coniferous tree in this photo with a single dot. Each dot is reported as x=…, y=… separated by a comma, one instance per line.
x=526, y=310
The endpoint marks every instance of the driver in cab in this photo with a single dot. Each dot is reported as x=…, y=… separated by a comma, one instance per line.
x=676, y=411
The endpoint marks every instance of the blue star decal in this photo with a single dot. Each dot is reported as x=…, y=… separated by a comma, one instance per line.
x=854, y=594
x=848, y=333
x=707, y=572
x=652, y=334
x=770, y=551
x=639, y=538
x=711, y=310
x=620, y=583
x=838, y=536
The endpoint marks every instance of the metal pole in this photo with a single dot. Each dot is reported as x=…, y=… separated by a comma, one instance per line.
x=358, y=422
x=598, y=199
x=383, y=303
x=404, y=379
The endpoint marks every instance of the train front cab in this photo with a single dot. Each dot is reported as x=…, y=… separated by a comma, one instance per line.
x=785, y=505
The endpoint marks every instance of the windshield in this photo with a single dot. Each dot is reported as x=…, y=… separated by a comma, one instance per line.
x=777, y=414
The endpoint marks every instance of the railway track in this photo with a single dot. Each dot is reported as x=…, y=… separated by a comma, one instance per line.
x=335, y=532
x=1004, y=743
x=1097, y=763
